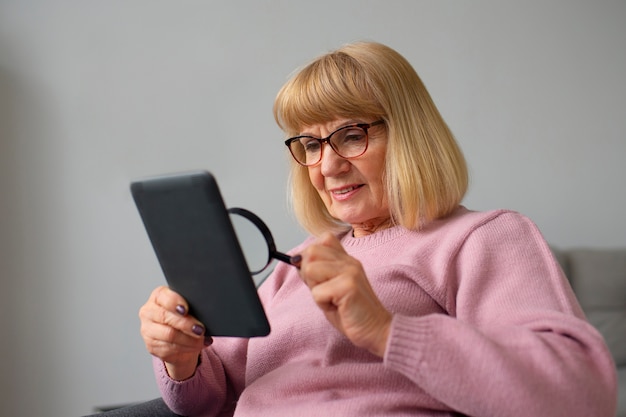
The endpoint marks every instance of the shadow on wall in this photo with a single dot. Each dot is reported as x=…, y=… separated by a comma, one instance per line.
x=9, y=238
x=27, y=316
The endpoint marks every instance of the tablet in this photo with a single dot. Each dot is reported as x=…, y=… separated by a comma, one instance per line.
x=196, y=245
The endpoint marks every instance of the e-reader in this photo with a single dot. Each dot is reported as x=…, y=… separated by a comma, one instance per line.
x=197, y=248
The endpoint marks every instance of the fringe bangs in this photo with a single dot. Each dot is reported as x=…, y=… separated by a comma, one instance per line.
x=333, y=86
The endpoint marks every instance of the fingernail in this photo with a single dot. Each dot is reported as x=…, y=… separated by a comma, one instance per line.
x=180, y=309
x=208, y=341
x=296, y=259
x=197, y=329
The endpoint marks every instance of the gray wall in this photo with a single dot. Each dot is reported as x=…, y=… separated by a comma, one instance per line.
x=96, y=93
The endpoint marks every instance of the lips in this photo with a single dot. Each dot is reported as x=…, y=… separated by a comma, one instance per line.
x=345, y=192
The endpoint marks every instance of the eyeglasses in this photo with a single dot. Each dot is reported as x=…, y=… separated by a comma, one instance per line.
x=347, y=142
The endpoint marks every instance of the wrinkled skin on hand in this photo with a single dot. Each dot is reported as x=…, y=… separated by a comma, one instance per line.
x=342, y=291
x=171, y=334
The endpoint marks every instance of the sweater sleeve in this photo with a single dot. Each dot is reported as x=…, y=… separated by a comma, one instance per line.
x=215, y=386
x=516, y=342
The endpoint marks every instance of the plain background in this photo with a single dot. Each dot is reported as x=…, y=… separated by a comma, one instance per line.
x=96, y=93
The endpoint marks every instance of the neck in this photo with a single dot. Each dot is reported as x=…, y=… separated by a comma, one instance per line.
x=372, y=226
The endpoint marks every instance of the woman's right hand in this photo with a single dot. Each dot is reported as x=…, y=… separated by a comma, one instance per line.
x=170, y=334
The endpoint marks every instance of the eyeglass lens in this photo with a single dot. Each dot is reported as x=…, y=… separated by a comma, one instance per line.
x=347, y=142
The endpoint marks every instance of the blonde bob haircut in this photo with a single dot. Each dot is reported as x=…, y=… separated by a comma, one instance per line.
x=425, y=171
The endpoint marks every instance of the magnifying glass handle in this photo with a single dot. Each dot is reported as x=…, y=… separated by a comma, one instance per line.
x=282, y=257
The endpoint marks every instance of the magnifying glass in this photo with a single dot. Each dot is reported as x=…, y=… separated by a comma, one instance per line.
x=256, y=240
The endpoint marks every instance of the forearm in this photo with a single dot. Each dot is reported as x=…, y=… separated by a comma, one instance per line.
x=534, y=368
x=183, y=370
x=203, y=393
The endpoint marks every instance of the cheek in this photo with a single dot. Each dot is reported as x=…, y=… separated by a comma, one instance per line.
x=377, y=171
x=316, y=178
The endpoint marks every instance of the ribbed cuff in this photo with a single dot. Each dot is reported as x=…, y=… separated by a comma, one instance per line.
x=407, y=342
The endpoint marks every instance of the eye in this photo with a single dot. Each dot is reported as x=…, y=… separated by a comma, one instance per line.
x=310, y=144
x=351, y=135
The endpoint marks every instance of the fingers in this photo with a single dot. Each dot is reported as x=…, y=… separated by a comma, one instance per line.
x=168, y=343
x=326, y=259
x=341, y=289
x=169, y=332
x=171, y=309
x=332, y=293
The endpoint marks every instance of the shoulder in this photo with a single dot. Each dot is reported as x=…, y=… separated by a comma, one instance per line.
x=501, y=240
x=501, y=234
x=464, y=217
x=463, y=223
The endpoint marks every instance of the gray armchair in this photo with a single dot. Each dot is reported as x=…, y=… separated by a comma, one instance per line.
x=153, y=408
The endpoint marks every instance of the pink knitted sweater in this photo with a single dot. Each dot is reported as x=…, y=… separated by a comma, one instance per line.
x=485, y=324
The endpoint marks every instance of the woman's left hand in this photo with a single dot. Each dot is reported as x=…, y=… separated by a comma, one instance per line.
x=341, y=289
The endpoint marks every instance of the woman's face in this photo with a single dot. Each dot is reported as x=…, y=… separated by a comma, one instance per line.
x=353, y=189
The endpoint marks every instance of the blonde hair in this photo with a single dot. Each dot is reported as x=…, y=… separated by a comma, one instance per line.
x=425, y=171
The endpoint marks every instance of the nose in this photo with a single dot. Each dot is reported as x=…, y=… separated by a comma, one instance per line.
x=332, y=164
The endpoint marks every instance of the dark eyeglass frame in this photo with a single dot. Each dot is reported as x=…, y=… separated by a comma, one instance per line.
x=364, y=126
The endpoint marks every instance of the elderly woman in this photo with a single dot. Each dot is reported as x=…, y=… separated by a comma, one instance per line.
x=404, y=302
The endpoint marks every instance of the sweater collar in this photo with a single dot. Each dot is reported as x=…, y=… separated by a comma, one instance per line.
x=374, y=239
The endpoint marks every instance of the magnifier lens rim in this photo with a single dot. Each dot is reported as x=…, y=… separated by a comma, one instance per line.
x=265, y=232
